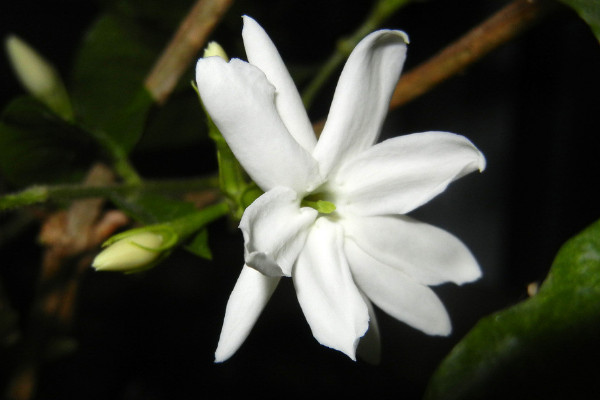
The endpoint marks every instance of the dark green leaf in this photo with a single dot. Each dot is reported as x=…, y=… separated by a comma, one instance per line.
x=36, y=146
x=545, y=346
x=165, y=128
x=108, y=92
x=199, y=245
x=589, y=10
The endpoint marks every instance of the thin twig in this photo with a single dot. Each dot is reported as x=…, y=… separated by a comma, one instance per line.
x=43, y=193
x=500, y=28
x=184, y=46
x=382, y=10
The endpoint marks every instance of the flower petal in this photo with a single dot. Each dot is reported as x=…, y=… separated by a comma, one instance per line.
x=396, y=294
x=361, y=98
x=400, y=174
x=275, y=230
x=332, y=305
x=427, y=254
x=241, y=102
x=369, y=347
x=248, y=298
x=262, y=53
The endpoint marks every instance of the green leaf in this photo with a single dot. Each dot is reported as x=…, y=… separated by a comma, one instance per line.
x=199, y=245
x=108, y=76
x=548, y=337
x=589, y=10
x=37, y=146
x=160, y=132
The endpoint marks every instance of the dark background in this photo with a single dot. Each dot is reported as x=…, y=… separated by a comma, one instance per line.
x=530, y=106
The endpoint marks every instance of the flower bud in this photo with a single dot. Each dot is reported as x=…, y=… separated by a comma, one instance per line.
x=38, y=77
x=135, y=251
x=214, y=49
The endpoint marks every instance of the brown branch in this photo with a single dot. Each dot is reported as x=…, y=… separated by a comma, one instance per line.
x=184, y=46
x=501, y=27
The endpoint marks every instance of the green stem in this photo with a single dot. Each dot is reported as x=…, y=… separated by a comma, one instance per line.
x=41, y=194
x=120, y=161
x=382, y=10
x=193, y=222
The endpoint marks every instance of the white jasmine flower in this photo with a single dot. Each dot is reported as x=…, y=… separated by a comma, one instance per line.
x=332, y=215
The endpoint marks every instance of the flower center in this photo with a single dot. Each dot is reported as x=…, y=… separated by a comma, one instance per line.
x=316, y=201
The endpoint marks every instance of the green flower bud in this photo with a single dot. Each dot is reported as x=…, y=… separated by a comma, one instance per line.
x=214, y=49
x=38, y=77
x=133, y=252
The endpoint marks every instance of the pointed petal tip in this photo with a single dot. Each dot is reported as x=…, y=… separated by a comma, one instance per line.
x=482, y=162
x=383, y=34
x=443, y=332
x=249, y=23
x=249, y=19
x=404, y=36
x=221, y=356
x=441, y=327
x=349, y=351
x=472, y=275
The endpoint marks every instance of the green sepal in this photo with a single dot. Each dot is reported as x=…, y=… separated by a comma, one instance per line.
x=199, y=245
x=150, y=265
x=170, y=237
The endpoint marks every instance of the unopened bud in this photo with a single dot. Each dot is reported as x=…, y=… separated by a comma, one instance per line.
x=130, y=253
x=38, y=77
x=214, y=49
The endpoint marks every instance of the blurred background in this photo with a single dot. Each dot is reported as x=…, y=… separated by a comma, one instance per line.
x=531, y=107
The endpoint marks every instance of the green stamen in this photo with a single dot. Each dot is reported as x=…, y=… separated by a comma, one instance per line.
x=322, y=206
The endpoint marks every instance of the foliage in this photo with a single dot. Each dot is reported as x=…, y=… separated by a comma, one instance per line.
x=589, y=10
x=557, y=327
x=32, y=138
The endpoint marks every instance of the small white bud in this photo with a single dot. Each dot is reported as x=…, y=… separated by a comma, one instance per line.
x=38, y=76
x=214, y=49
x=130, y=253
